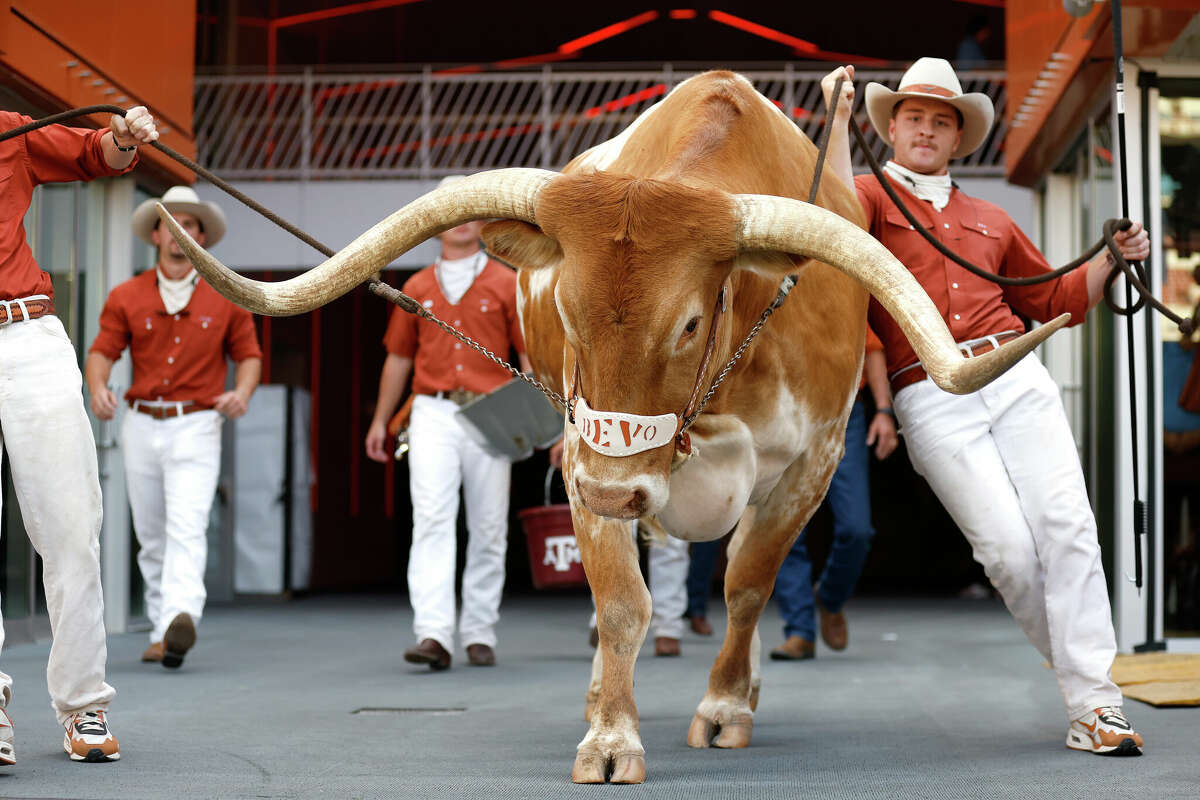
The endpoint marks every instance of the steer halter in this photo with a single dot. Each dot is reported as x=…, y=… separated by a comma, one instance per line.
x=615, y=433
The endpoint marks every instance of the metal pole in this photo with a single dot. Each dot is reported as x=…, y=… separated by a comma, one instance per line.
x=1139, y=506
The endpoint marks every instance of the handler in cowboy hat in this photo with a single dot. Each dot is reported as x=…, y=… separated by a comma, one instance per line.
x=179, y=331
x=1002, y=460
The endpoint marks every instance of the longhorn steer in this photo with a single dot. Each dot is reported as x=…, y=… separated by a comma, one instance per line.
x=622, y=259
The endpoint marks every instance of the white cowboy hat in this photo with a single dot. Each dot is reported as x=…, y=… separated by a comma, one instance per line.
x=184, y=200
x=933, y=78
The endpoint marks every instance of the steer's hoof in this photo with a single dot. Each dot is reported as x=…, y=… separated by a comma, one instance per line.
x=733, y=734
x=593, y=767
x=700, y=733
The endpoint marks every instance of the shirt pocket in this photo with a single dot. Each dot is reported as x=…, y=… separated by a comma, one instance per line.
x=905, y=242
x=979, y=245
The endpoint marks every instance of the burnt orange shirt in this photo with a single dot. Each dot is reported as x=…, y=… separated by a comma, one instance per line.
x=178, y=356
x=54, y=154
x=487, y=313
x=972, y=306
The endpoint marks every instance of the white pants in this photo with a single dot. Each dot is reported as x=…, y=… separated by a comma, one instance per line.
x=668, y=568
x=669, y=562
x=442, y=459
x=1003, y=463
x=171, y=471
x=46, y=432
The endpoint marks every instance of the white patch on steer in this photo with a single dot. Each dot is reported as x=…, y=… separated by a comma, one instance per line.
x=620, y=738
x=604, y=154
x=539, y=281
x=789, y=431
x=723, y=710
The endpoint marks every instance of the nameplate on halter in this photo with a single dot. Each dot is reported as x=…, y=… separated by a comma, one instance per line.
x=616, y=434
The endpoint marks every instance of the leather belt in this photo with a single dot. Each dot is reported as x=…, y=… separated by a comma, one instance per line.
x=459, y=397
x=167, y=409
x=975, y=347
x=23, y=309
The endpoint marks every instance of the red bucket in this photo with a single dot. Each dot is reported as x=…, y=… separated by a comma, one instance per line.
x=553, y=553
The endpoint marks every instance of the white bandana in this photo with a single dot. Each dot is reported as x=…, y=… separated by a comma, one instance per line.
x=176, y=294
x=934, y=188
x=456, y=276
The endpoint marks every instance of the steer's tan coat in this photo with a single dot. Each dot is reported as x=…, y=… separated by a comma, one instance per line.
x=631, y=253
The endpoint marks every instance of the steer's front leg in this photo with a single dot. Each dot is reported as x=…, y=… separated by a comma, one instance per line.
x=612, y=749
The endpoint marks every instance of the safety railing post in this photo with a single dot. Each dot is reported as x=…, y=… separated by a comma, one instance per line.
x=426, y=122
x=789, y=91
x=547, y=118
x=306, y=126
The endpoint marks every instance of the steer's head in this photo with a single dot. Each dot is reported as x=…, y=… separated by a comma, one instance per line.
x=639, y=260
x=641, y=264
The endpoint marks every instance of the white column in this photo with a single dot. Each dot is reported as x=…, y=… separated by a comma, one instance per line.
x=1129, y=605
x=115, y=207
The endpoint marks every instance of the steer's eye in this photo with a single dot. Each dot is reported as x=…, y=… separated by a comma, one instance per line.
x=691, y=326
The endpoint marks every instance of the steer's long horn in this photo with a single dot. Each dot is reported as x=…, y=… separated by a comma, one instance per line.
x=497, y=194
x=780, y=223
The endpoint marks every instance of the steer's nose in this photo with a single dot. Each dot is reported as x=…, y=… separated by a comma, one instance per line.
x=607, y=500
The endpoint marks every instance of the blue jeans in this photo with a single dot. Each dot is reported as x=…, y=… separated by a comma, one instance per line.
x=849, y=498
x=700, y=575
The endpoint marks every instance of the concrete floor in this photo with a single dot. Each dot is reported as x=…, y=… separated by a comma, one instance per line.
x=932, y=699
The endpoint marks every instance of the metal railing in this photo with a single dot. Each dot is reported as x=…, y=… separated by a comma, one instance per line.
x=425, y=125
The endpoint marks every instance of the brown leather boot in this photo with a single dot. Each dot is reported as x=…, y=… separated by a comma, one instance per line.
x=834, y=631
x=700, y=626
x=480, y=655
x=179, y=638
x=153, y=653
x=428, y=652
x=795, y=648
x=666, y=646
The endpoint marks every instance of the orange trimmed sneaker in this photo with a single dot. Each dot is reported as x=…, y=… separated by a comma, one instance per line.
x=89, y=739
x=7, y=754
x=1105, y=732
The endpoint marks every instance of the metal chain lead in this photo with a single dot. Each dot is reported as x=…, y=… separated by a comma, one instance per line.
x=785, y=287
x=406, y=303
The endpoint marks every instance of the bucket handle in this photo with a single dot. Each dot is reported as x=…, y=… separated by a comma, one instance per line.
x=549, y=478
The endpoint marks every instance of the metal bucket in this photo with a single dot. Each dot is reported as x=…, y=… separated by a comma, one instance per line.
x=550, y=537
x=512, y=420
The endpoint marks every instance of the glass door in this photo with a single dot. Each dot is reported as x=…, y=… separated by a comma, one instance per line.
x=1179, y=143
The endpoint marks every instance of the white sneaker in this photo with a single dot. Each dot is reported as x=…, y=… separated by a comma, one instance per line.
x=1105, y=732
x=89, y=739
x=8, y=756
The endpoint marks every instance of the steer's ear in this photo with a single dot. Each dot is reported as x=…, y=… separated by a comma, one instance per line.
x=520, y=244
x=770, y=263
